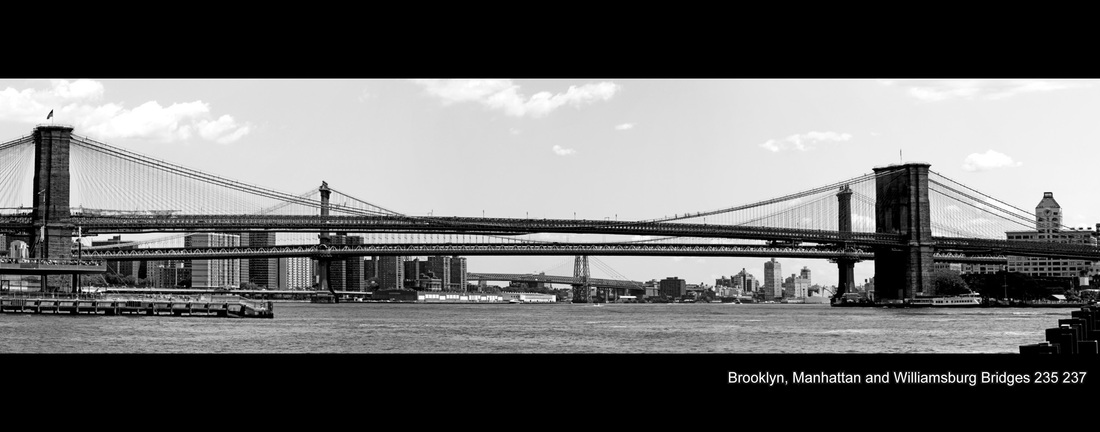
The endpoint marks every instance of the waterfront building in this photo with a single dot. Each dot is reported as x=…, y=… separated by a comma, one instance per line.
x=209, y=273
x=652, y=288
x=773, y=279
x=982, y=268
x=805, y=273
x=796, y=287
x=673, y=287
x=956, y=267
x=1048, y=228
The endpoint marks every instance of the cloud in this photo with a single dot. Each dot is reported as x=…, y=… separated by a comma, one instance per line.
x=514, y=131
x=805, y=142
x=504, y=95
x=558, y=150
x=989, y=160
x=224, y=130
x=625, y=126
x=71, y=103
x=940, y=90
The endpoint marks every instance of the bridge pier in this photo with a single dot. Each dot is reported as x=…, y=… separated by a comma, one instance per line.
x=846, y=271
x=581, y=291
x=324, y=260
x=902, y=207
x=845, y=267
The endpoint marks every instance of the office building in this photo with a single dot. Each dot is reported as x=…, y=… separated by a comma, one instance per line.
x=773, y=279
x=1048, y=228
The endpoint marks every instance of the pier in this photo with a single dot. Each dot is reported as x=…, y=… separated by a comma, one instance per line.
x=87, y=305
x=1076, y=335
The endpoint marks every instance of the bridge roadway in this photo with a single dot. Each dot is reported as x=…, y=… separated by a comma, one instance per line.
x=596, y=282
x=92, y=225
x=554, y=249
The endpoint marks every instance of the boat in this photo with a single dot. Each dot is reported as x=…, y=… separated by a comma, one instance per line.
x=960, y=301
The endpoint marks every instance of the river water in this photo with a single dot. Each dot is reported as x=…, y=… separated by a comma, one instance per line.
x=373, y=328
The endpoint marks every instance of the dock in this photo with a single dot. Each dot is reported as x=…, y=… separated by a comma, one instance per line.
x=224, y=307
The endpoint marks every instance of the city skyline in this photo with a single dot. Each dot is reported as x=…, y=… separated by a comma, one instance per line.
x=599, y=148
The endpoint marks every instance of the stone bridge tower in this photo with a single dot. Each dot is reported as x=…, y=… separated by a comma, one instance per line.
x=902, y=208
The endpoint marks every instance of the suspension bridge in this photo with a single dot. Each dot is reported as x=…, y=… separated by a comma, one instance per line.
x=903, y=217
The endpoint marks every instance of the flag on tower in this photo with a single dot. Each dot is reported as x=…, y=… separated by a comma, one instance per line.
x=50, y=115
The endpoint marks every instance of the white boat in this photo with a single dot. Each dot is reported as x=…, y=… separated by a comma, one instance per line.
x=965, y=300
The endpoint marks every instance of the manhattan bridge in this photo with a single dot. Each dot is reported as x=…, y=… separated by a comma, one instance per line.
x=902, y=217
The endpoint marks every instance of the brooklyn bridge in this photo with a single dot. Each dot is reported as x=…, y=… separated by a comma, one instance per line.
x=902, y=217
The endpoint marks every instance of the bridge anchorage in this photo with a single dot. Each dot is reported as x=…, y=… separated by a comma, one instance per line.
x=902, y=217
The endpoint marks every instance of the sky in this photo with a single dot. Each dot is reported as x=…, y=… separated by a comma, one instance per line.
x=592, y=148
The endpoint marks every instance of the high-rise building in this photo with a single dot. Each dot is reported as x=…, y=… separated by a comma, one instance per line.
x=805, y=273
x=745, y=283
x=337, y=271
x=263, y=272
x=370, y=271
x=441, y=268
x=353, y=268
x=391, y=272
x=458, y=275
x=210, y=273
x=299, y=273
x=773, y=278
x=295, y=273
x=1049, y=228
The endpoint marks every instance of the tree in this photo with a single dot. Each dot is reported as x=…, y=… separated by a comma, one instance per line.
x=1004, y=284
x=948, y=282
x=93, y=280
